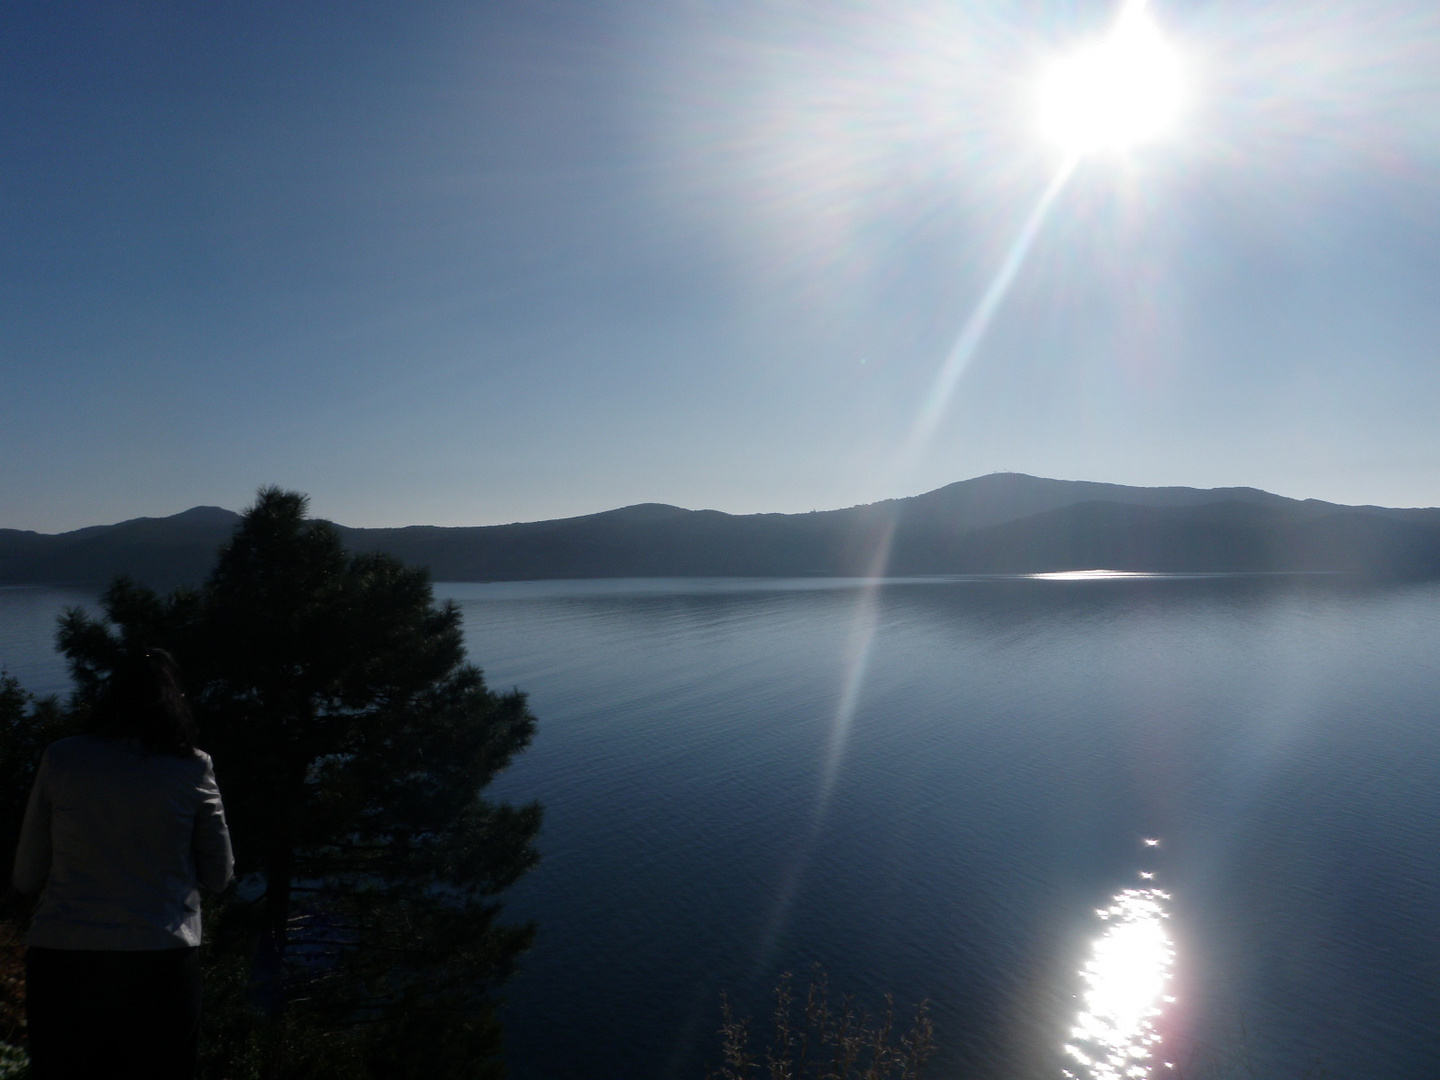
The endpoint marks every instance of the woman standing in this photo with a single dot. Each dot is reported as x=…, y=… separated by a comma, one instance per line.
x=122, y=827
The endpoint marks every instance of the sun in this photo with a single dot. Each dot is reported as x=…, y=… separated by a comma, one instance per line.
x=1115, y=93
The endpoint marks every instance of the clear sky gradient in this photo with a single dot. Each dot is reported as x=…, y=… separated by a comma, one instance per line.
x=468, y=263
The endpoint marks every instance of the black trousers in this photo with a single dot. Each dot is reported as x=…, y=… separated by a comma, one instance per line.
x=110, y=1014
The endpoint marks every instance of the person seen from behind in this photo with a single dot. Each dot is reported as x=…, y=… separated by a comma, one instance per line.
x=122, y=827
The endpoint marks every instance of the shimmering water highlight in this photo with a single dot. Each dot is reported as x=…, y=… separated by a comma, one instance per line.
x=1125, y=982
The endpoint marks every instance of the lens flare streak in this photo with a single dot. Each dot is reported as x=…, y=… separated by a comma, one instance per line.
x=1125, y=980
x=856, y=662
x=983, y=313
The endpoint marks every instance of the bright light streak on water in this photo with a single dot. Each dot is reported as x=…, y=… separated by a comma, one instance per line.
x=1125, y=978
x=859, y=643
x=1090, y=575
x=857, y=661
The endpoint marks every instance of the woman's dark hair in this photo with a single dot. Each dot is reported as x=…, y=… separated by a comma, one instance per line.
x=142, y=700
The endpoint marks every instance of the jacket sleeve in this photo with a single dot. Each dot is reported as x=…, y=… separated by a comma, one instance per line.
x=32, y=854
x=214, y=862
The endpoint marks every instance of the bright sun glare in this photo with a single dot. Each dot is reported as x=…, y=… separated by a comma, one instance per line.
x=1114, y=93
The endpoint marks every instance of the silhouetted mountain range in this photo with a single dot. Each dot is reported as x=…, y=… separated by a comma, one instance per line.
x=1002, y=523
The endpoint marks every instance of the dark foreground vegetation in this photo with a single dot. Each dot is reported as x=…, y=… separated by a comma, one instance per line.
x=823, y=1037
x=353, y=744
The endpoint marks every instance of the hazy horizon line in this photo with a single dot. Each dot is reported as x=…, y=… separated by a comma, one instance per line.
x=730, y=513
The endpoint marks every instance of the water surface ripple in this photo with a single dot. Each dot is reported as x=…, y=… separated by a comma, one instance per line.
x=1010, y=743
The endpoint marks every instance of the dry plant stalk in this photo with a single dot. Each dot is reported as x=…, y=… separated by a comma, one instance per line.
x=829, y=1041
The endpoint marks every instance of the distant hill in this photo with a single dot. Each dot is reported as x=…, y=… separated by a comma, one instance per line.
x=1002, y=523
x=163, y=552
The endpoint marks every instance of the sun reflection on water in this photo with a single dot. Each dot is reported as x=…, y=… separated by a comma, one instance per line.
x=1125, y=978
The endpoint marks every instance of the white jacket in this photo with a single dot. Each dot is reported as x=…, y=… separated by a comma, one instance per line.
x=117, y=841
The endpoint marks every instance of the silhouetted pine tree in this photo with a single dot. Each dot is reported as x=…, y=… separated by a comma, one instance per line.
x=352, y=744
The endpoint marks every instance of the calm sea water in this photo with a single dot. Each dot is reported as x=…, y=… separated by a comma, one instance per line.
x=931, y=787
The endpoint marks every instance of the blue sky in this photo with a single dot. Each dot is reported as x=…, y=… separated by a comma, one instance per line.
x=483, y=262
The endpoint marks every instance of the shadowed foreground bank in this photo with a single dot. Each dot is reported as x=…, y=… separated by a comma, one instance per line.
x=353, y=744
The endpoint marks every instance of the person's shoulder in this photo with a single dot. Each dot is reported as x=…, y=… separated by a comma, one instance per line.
x=80, y=755
x=78, y=746
x=194, y=763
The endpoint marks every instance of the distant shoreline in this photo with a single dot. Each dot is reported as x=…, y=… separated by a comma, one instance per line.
x=999, y=525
